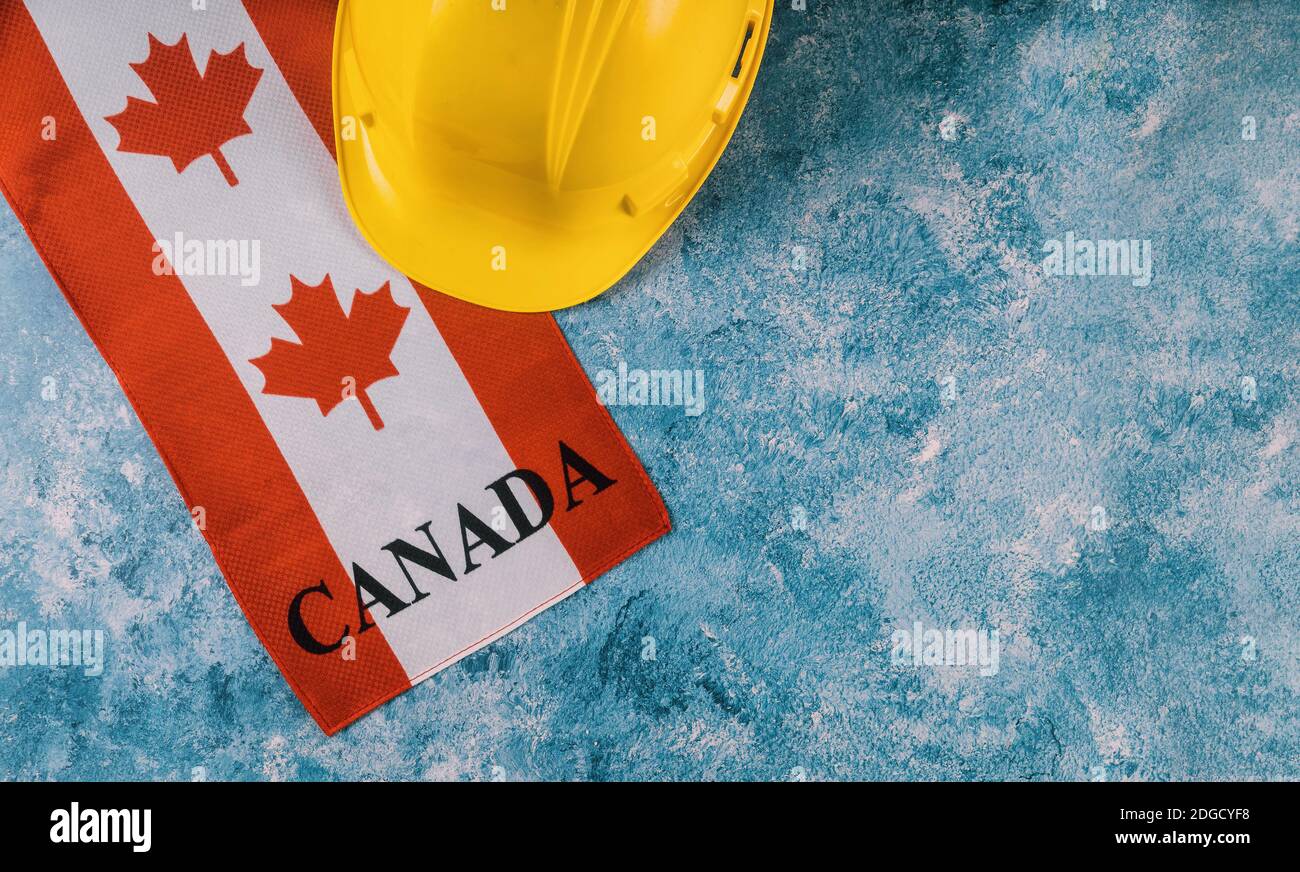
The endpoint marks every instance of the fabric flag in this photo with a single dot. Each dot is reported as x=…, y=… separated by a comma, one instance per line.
x=388, y=478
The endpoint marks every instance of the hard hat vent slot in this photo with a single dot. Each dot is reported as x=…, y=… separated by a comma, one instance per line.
x=744, y=44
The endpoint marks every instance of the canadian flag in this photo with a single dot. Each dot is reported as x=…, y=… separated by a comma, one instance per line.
x=389, y=479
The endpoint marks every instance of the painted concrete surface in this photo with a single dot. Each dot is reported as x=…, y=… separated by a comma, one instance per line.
x=906, y=419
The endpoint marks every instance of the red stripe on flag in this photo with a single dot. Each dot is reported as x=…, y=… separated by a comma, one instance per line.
x=263, y=533
x=520, y=366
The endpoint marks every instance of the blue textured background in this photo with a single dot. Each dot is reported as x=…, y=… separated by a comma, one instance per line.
x=1121, y=649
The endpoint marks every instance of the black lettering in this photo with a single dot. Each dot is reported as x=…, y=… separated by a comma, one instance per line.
x=430, y=560
x=541, y=492
x=367, y=583
x=471, y=523
x=298, y=627
x=572, y=460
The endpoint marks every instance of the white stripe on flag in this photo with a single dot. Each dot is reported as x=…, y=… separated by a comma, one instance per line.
x=367, y=486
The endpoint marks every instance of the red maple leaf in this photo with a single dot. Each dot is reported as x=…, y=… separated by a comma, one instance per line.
x=337, y=355
x=193, y=114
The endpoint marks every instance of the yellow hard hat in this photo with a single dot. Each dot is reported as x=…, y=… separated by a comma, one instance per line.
x=524, y=154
